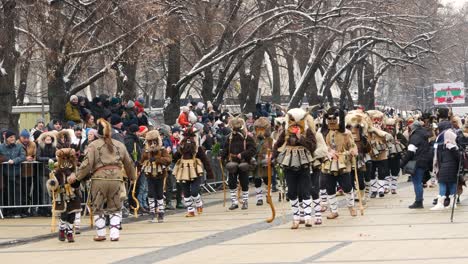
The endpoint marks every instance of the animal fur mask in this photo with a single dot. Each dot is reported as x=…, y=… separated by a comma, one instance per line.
x=262, y=127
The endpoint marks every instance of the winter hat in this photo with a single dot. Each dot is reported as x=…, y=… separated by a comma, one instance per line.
x=115, y=119
x=130, y=104
x=141, y=100
x=133, y=128
x=71, y=123
x=73, y=97
x=185, y=109
x=9, y=133
x=142, y=129
x=25, y=133
x=415, y=125
x=40, y=120
x=114, y=101
x=175, y=129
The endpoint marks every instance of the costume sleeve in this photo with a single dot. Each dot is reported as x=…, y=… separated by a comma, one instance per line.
x=165, y=158
x=309, y=141
x=206, y=162
x=87, y=165
x=278, y=144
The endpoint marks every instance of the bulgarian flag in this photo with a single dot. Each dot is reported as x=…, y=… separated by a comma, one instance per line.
x=449, y=93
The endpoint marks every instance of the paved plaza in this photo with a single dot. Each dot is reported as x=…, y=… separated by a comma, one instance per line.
x=387, y=233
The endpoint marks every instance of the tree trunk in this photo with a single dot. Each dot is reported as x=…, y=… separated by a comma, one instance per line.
x=250, y=81
x=276, y=87
x=126, y=79
x=367, y=89
x=171, y=111
x=291, y=76
x=208, y=84
x=8, y=59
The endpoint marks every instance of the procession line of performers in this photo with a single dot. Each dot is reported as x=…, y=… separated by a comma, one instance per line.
x=314, y=159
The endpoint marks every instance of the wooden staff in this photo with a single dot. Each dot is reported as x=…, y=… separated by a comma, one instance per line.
x=361, y=207
x=224, y=182
x=270, y=201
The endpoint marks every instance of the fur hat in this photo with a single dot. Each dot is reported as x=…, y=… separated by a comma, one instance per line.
x=42, y=137
x=154, y=135
x=296, y=115
x=237, y=122
x=390, y=122
x=263, y=122
x=356, y=118
x=279, y=121
x=375, y=114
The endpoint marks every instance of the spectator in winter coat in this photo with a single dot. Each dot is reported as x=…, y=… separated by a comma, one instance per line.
x=117, y=132
x=183, y=117
x=420, y=151
x=142, y=119
x=129, y=116
x=46, y=148
x=55, y=125
x=91, y=135
x=131, y=141
x=40, y=126
x=116, y=106
x=98, y=109
x=72, y=111
x=139, y=107
x=83, y=105
x=13, y=154
x=89, y=121
x=28, y=145
x=446, y=161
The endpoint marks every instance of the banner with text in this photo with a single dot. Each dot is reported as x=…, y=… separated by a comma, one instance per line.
x=449, y=93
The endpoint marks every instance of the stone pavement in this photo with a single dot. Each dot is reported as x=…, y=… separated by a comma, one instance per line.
x=388, y=232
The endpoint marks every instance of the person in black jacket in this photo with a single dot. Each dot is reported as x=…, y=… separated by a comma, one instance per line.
x=419, y=150
x=446, y=164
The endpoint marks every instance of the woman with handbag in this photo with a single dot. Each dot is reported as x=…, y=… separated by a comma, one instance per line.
x=417, y=160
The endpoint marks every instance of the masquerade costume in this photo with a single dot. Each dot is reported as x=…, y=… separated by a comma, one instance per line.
x=293, y=152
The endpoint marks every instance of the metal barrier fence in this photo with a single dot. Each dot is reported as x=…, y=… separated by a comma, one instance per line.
x=23, y=189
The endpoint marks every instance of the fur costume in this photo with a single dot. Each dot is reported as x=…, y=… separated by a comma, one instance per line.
x=66, y=197
x=191, y=163
x=155, y=158
x=294, y=153
x=357, y=123
x=264, y=143
x=379, y=140
x=338, y=163
x=238, y=151
x=155, y=161
x=297, y=152
x=107, y=162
